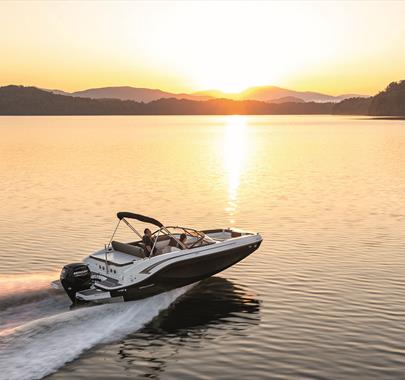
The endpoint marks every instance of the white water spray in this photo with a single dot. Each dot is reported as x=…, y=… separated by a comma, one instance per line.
x=39, y=347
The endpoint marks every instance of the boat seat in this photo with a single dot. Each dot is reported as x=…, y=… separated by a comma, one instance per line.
x=128, y=249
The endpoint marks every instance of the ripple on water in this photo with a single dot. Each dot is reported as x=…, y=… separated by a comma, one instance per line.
x=322, y=298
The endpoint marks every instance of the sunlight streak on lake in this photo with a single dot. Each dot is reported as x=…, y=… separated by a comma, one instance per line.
x=235, y=151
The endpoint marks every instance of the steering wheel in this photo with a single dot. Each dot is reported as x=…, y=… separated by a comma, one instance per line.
x=197, y=241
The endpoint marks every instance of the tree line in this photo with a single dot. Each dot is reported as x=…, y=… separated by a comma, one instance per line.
x=20, y=100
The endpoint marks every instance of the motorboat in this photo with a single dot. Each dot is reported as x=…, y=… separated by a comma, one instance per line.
x=128, y=271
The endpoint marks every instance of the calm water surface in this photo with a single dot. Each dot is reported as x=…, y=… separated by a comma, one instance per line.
x=323, y=298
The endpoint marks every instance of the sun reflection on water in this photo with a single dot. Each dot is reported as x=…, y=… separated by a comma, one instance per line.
x=235, y=147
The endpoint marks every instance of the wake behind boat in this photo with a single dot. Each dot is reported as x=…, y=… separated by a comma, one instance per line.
x=175, y=257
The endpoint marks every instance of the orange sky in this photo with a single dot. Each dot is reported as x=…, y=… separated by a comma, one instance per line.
x=332, y=47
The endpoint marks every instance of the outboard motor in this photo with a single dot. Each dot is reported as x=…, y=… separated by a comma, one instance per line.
x=75, y=277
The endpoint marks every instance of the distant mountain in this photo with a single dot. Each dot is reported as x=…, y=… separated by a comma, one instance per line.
x=271, y=93
x=145, y=95
x=288, y=99
x=19, y=100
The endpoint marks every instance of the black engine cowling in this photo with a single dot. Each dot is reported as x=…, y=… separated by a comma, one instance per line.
x=75, y=277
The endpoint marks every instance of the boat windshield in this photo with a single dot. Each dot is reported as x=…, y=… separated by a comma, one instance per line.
x=194, y=238
x=197, y=238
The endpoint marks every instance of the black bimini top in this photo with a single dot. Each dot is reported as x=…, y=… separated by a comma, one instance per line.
x=142, y=218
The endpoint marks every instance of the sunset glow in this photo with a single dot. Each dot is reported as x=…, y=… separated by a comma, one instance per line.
x=333, y=47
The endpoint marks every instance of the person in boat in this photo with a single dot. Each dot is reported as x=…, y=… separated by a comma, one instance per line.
x=183, y=239
x=147, y=241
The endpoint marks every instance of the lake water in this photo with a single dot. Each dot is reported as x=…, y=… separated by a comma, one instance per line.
x=323, y=297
